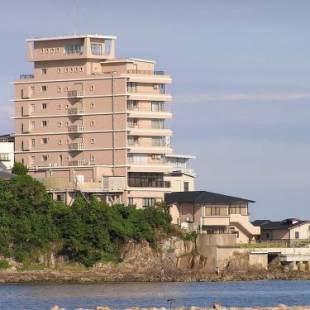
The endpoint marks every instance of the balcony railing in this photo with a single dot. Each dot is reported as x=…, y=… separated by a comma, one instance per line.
x=76, y=129
x=78, y=163
x=75, y=93
x=148, y=72
x=26, y=76
x=76, y=146
x=76, y=111
x=4, y=157
x=135, y=182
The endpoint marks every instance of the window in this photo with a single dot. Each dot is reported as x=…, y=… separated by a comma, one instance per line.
x=60, y=197
x=158, y=124
x=59, y=124
x=92, y=123
x=44, y=140
x=59, y=70
x=44, y=158
x=43, y=71
x=59, y=142
x=67, y=69
x=296, y=234
x=158, y=141
x=131, y=87
x=92, y=105
x=132, y=123
x=157, y=106
x=44, y=106
x=162, y=88
x=96, y=49
x=92, y=158
x=81, y=69
x=130, y=201
x=148, y=202
x=58, y=90
x=92, y=141
x=32, y=107
x=186, y=186
x=91, y=88
x=33, y=124
x=33, y=142
x=74, y=49
x=44, y=123
x=132, y=105
x=44, y=88
x=133, y=141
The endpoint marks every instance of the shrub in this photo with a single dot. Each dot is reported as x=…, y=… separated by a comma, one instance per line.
x=4, y=264
x=19, y=169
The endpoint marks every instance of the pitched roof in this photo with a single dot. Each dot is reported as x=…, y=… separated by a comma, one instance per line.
x=202, y=197
x=283, y=225
x=6, y=175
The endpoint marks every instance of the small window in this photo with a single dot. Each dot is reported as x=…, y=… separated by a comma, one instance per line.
x=186, y=186
x=44, y=106
x=60, y=197
x=149, y=202
x=46, y=50
x=92, y=141
x=130, y=201
x=59, y=124
x=76, y=69
x=66, y=107
x=44, y=123
x=92, y=158
x=91, y=88
x=92, y=124
x=71, y=69
x=44, y=140
x=66, y=69
x=59, y=70
x=44, y=88
x=44, y=158
x=81, y=69
x=296, y=234
x=33, y=124
x=33, y=142
x=59, y=142
x=92, y=105
x=43, y=71
x=58, y=89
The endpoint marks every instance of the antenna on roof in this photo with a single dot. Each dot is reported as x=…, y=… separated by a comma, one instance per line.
x=76, y=17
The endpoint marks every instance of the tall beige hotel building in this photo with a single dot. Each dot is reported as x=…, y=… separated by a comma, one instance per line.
x=90, y=123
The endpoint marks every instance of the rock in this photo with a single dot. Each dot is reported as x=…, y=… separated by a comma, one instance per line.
x=55, y=308
x=103, y=308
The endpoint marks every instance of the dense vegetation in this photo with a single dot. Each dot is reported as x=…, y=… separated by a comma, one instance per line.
x=88, y=231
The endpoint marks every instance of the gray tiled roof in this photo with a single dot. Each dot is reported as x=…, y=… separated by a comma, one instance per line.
x=203, y=197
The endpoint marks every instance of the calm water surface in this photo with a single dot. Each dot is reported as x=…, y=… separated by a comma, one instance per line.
x=71, y=296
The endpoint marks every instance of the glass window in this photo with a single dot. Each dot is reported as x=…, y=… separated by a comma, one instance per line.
x=149, y=202
x=44, y=88
x=43, y=71
x=186, y=186
x=74, y=49
x=96, y=48
x=157, y=106
x=44, y=106
x=44, y=123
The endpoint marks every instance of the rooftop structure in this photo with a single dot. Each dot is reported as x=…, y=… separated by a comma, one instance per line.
x=89, y=122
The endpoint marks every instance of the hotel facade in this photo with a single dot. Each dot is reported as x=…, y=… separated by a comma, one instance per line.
x=90, y=123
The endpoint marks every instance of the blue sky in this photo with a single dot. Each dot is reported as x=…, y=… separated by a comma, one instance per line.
x=241, y=83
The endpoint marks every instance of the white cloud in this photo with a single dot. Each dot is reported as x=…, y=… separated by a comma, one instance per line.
x=239, y=97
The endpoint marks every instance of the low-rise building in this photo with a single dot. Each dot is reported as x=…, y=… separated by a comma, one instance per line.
x=212, y=213
x=6, y=152
x=287, y=230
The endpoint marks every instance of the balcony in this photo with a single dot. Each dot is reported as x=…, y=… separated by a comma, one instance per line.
x=136, y=182
x=26, y=76
x=75, y=94
x=76, y=111
x=4, y=157
x=73, y=163
x=76, y=147
x=76, y=129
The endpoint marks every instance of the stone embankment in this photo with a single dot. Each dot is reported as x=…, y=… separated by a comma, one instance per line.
x=215, y=306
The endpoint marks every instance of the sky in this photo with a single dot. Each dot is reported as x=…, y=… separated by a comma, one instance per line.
x=241, y=83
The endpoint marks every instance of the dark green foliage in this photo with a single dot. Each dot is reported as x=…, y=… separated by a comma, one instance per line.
x=30, y=222
x=4, y=264
x=19, y=169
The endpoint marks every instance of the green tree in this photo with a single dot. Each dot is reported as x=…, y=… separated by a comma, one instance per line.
x=19, y=169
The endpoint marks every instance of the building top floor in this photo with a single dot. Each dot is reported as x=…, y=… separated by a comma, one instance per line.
x=71, y=47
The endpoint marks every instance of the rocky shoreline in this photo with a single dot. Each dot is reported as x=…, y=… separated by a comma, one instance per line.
x=52, y=276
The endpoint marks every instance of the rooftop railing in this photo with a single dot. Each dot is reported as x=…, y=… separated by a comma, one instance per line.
x=26, y=76
x=148, y=72
x=136, y=182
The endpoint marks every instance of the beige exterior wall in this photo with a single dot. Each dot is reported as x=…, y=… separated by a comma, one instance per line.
x=74, y=118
